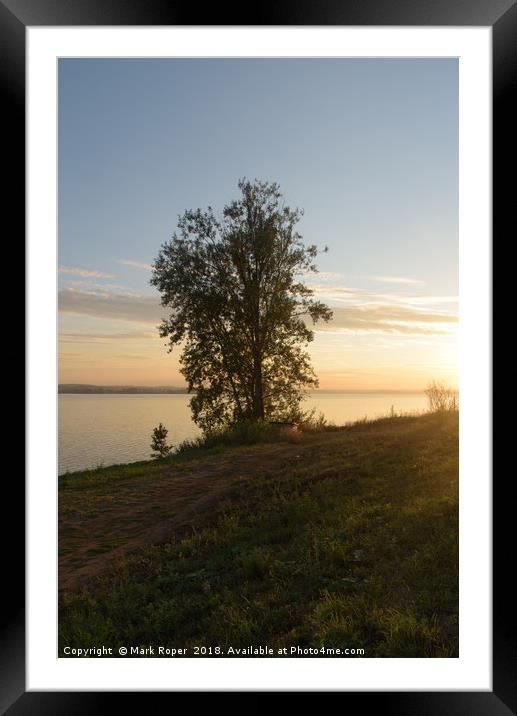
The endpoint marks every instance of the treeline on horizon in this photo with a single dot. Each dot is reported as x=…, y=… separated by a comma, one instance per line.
x=87, y=388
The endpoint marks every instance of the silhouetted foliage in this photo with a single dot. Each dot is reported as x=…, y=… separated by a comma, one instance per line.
x=239, y=308
x=158, y=442
x=440, y=397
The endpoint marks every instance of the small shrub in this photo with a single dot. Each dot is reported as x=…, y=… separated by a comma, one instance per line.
x=441, y=398
x=248, y=432
x=158, y=442
x=312, y=422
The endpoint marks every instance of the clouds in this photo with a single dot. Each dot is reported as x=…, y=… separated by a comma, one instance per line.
x=363, y=312
x=376, y=340
x=135, y=264
x=338, y=277
x=396, y=279
x=93, y=285
x=311, y=276
x=86, y=273
x=73, y=337
x=389, y=319
x=93, y=273
x=110, y=305
x=361, y=296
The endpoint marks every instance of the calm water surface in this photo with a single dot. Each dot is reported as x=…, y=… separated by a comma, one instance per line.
x=110, y=429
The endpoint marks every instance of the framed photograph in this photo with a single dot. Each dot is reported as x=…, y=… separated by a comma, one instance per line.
x=259, y=353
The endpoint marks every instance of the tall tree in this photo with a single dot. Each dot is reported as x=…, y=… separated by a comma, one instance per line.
x=238, y=305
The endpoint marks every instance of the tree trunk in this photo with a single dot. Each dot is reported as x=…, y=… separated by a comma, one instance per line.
x=258, y=393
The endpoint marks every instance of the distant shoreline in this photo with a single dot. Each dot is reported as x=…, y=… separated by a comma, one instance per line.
x=87, y=389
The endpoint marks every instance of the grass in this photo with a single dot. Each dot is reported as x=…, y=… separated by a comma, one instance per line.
x=351, y=542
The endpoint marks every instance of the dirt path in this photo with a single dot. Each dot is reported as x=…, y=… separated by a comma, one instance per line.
x=98, y=529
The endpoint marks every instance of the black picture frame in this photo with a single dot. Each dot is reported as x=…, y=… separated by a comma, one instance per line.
x=501, y=15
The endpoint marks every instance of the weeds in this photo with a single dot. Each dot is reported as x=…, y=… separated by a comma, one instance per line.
x=441, y=398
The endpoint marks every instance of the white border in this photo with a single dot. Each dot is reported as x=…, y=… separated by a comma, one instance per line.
x=472, y=670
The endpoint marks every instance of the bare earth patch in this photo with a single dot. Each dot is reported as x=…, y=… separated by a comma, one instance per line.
x=154, y=508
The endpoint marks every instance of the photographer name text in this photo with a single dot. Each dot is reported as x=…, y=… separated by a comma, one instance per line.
x=172, y=652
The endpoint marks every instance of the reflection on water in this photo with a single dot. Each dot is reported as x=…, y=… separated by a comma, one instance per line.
x=109, y=429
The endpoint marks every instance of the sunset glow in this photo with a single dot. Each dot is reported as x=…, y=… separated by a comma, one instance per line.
x=368, y=148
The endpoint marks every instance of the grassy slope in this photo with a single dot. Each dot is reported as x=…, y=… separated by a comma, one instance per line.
x=350, y=540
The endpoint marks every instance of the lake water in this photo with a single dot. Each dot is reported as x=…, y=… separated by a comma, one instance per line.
x=110, y=429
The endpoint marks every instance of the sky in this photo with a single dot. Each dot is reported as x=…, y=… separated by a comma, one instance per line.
x=367, y=147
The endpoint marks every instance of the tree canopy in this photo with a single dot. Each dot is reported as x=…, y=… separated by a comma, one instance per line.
x=238, y=306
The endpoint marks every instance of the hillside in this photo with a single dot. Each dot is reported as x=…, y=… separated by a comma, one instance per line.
x=344, y=539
